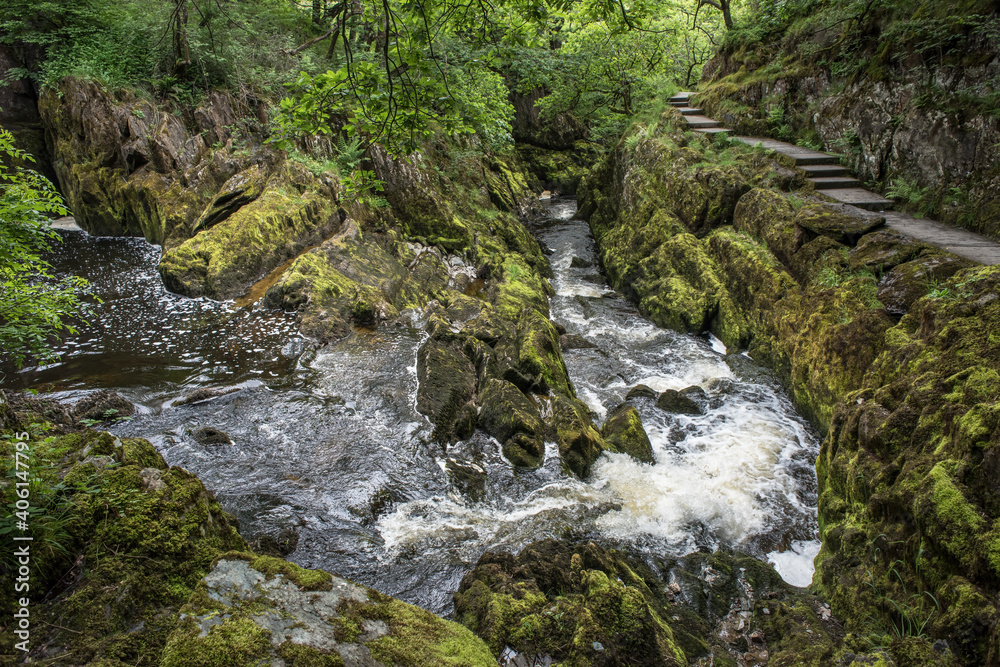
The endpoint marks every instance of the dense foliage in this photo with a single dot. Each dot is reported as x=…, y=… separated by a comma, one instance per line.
x=387, y=71
x=33, y=305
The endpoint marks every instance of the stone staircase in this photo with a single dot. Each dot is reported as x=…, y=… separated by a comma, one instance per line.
x=834, y=181
x=823, y=169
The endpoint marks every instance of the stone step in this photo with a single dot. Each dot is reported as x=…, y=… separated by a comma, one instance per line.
x=860, y=198
x=802, y=156
x=691, y=111
x=701, y=122
x=806, y=159
x=822, y=170
x=835, y=182
x=713, y=130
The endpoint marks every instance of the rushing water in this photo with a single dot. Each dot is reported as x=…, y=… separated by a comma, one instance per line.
x=329, y=443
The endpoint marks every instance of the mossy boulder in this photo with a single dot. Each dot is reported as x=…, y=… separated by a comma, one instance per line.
x=234, y=194
x=580, y=443
x=575, y=605
x=884, y=249
x=907, y=282
x=586, y=604
x=146, y=532
x=842, y=223
x=623, y=432
x=512, y=418
x=446, y=388
x=223, y=261
x=253, y=609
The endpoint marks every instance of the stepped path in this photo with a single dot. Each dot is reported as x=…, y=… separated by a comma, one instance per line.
x=832, y=180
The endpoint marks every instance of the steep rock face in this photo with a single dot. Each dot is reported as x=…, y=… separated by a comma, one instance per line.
x=927, y=118
x=150, y=570
x=907, y=508
x=126, y=166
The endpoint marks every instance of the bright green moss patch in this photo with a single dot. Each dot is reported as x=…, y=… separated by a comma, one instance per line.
x=237, y=641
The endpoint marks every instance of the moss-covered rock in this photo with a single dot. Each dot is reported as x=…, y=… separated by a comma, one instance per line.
x=579, y=606
x=674, y=401
x=623, y=432
x=555, y=599
x=446, y=388
x=512, y=418
x=255, y=609
x=223, y=260
x=909, y=528
x=580, y=443
x=128, y=540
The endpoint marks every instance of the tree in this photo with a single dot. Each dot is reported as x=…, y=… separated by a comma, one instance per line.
x=33, y=304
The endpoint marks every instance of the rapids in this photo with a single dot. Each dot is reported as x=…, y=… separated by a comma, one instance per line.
x=328, y=441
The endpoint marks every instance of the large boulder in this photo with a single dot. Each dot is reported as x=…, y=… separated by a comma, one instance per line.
x=512, y=418
x=623, y=432
x=253, y=609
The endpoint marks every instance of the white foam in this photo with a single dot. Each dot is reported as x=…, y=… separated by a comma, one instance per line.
x=796, y=565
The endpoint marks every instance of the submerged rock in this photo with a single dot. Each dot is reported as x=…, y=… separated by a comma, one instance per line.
x=208, y=435
x=676, y=402
x=103, y=405
x=575, y=342
x=468, y=478
x=623, y=432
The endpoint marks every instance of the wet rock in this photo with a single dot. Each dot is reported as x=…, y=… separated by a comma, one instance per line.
x=208, y=435
x=623, y=432
x=468, y=478
x=580, y=263
x=579, y=441
x=279, y=545
x=575, y=342
x=103, y=405
x=673, y=401
x=261, y=610
x=747, y=370
x=510, y=417
x=202, y=394
x=18, y=409
x=842, y=223
x=696, y=393
x=447, y=384
x=640, y=391
x=907, y=282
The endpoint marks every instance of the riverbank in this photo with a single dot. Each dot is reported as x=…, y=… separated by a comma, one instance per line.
x=882, y=342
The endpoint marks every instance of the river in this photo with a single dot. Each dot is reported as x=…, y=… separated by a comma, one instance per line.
x=327, y=442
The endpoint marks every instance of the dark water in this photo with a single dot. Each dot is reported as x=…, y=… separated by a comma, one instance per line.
x=329, y=443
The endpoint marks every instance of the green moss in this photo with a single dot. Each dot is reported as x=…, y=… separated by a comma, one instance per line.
x=418, y=638
x=224, y=260
x=237, y=641
x=297, y=655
